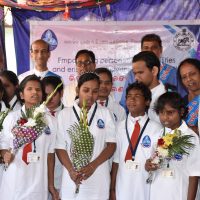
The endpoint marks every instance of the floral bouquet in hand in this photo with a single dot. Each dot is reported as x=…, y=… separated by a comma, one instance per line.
x=82, y=142
x=32, y=124
x=169, y=146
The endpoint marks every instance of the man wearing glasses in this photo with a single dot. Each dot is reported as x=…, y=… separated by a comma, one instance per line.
x=85, y=62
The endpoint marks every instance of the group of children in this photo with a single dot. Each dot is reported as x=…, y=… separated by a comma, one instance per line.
x=128, y=141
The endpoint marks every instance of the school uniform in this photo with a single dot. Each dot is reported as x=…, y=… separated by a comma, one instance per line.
x=21, y=181
x=102, y=127
x=131, y=184
x=175, y=185
x=156, y=92
x=58, y=166
x=2, y=108
x=114, y=107
x=15, y=104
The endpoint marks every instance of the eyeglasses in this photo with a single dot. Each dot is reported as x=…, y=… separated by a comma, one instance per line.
x=85, y=63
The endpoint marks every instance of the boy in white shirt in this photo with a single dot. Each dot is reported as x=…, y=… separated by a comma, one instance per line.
x=135, y=139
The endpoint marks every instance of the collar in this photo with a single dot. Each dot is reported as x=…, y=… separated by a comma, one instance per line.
x=182, y=128
x=78, y=109
x=59, y=108
x=40, y=74
x=158, y=87
x=13, y=100
x=140, y=119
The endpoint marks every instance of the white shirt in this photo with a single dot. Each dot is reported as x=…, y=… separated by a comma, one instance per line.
x=115, y=108
x=156, y=92
x=14, y=102
x=69, y=94
x=95, y=187
x=22, y=181
x=132, y=184
x=58, y=166
x=176, y=188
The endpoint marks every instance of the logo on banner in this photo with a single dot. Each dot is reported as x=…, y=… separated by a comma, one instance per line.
x=183, y=40
x=50, y=37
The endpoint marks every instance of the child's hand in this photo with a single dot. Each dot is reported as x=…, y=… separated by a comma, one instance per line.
x=75, y=176
x=87, y=171
x=8, y=157
x=54, y=193
x=149, y=166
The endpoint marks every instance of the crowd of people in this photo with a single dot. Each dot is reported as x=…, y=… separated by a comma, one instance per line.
x=76, y=142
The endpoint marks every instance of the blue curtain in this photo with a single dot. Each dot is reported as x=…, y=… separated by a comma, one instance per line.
x=121, y=10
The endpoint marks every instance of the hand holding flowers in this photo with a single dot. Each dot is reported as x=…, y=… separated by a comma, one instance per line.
x=169, y=146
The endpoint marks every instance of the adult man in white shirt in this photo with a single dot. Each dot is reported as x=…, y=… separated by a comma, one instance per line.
x=146, y=68
x=85, y=61
x=40, y=53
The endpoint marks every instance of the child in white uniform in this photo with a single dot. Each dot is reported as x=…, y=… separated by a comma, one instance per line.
x=24, y=179
x=94, y=178
x=128, y=174
x=182, y=182
x=53, y=109
x=104, y=98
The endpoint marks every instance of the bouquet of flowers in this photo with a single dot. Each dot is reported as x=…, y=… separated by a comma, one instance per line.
x=32, y=124
x=82, y=142
x=169, y=146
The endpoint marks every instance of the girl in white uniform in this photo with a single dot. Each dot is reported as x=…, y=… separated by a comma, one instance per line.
x=23, y=180
x=128, y=174
x=182, y=182
x=53, y=109
x=11, y=84
x=94, y=177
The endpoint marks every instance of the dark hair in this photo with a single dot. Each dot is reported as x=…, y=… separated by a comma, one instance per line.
x=151, y=37
x=174, y=100
x=141, y=87
x=192, y=61
x=103, y=70
x=149, y=58
x=11, y=77
x=4, y=95
x=40, y=41
x=88, y=76
x=53, y=81
x=32, y=77
x=88, y=52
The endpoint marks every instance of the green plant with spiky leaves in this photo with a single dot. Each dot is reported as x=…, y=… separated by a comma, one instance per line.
x=82, y=141
x=181, y=144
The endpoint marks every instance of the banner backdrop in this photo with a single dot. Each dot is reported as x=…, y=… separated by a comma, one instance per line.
x=114, y=44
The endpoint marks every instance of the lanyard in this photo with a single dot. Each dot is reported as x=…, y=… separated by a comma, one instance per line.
x=14, y=104
x=106, y=104
x=92, y=117
x=133, y=151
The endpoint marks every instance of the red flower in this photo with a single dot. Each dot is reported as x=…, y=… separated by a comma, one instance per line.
x=22, y=121
x=161, y=142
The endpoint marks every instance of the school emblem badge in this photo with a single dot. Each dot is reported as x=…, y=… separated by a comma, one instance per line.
x=183, y=40
x=146, y=141
x=178, y=157
x=100, y=123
